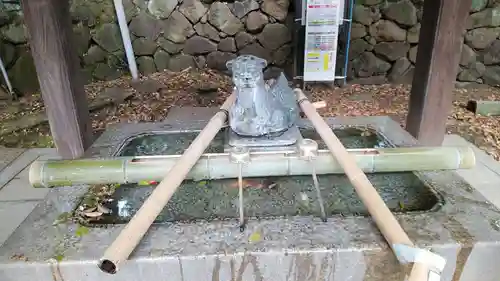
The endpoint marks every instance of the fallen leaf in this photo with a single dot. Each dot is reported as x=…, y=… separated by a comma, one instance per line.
x=202, y=183
x=59, y=257
x=247, y=184
x=102, y=209
x=62, y=218
x=143, y=183
x=255, y=237
x=19, y=257
x=81, y=230
x=401, y=205
x=93, y=214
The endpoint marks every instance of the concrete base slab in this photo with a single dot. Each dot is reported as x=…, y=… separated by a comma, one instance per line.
x=19, y=189
x=12, y=214
x=22, y=162
x=464, y=230
x=17, y=197
x=7, y=155
x=14, y=182
x=485, y=176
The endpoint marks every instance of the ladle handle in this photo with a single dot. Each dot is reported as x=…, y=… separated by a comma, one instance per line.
x=419, y=272
x=383, y=217
x=134, y=231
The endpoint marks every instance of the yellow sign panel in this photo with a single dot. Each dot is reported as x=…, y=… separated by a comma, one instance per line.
x=326, y=59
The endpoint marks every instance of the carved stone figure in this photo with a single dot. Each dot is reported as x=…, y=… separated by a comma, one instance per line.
x=257, y=111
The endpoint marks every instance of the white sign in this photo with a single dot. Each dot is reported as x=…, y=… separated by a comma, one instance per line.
x=322, y=27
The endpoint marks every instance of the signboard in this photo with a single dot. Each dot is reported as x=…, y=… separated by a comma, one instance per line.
x=322, y=28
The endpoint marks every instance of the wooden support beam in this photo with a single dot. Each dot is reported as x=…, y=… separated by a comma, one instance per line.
x=438, y=55
x=57, y=66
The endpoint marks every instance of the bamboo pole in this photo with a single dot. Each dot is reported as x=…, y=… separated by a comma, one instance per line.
x=485, y=108
x=383, y=217
x=133, y=232
x=120, y=170
x=419, y=272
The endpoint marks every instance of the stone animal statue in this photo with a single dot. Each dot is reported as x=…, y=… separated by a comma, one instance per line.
x=258, y=111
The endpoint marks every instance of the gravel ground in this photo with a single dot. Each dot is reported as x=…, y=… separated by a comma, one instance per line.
x=154, y=95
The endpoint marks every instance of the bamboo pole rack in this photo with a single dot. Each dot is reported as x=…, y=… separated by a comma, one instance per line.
x=122, y=170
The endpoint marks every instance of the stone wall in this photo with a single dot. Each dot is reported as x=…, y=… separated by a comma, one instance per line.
x=174, y=34
x=385, y=34
x=166, y=34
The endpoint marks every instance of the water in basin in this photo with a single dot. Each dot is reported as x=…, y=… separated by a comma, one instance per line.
x=265, y=197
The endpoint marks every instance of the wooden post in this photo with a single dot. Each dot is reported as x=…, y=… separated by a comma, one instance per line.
x=57, y=66
x=443, y=22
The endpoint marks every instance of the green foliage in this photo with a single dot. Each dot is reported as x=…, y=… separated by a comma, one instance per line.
x=202, y=183
x=59, y=257
x=81, y=231
x=63, y=218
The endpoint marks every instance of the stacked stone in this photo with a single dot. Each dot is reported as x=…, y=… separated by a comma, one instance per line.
x=174, y=35
x=480, y=57
x=166, y=34
x=15, y=53
x=384, y=41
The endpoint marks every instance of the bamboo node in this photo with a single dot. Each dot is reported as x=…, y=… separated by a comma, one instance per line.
x=308, y=149
x=302, y=100
x=239, y=155
x=225, y=111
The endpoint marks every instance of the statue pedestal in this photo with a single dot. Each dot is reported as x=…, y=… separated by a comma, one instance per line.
x=279, y=141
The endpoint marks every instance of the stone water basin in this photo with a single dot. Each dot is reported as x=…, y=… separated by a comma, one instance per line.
x=264, y=197
x=197, y=235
